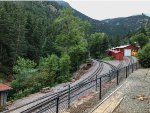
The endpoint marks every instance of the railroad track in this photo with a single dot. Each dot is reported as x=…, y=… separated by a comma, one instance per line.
x=45, y=100
x=129, y=60
x=97, y=72
x=76, y=91
x=47, y=103
x=120, y=65
x=111, y=66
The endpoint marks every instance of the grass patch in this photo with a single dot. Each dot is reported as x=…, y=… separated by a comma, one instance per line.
x=108, y=58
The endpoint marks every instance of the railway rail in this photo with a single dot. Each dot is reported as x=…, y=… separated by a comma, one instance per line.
x=121, y=64
x=76, y=90
x=65, y=97
x=96, y=72
x=43, y=101
x=111, y=66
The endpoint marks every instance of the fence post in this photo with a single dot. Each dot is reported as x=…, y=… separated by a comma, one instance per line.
x=136, y=65
x=117, y=77
x=69, y=96
x=100, y=88
x=110, y=74
x=126, y=71
x=57, y=104
x=96, y=82
x=132, y=68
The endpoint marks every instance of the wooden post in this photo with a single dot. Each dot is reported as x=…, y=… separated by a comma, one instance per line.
x=96, y=82
x=126, y=71
x=117, y=77
x=132, y=68
x=57, y=104
x=100, y=86
x=69, y=96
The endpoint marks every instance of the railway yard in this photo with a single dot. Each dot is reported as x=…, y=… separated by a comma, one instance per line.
x=67, y=95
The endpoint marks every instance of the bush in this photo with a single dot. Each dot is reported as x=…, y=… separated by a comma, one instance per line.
x=23, y=66
x=108, y=58
x=64, y=68
x=51, y=71
x=144, y=56
x=24, y=69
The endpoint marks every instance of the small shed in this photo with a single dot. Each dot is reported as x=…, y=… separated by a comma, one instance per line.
x=117, y=54
x=3, y=93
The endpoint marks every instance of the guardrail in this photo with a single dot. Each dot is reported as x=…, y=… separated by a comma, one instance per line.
x=65, y=99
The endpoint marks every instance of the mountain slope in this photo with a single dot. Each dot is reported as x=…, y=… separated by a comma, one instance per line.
x=113, y=27
x=117, y=26
x=121, y=26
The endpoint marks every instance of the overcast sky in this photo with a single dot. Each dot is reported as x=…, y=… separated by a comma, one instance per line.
x=105, y=9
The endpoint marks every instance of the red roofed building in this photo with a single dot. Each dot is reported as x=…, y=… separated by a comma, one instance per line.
x=127, y=49
x=117, y=54
x=3, y=93
x=124, y=50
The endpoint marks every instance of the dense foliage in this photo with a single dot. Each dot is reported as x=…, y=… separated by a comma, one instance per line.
x=41, y=44
x=24, y=32
x=71, y=37
x=98, y=44
x=144, y=56
x=142, y=38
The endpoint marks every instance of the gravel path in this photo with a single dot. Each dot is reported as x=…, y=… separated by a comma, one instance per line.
x=136, y=87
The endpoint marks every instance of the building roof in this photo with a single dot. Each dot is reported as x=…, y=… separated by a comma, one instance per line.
x=4, y=87
x=123, y=46
x=114, y=51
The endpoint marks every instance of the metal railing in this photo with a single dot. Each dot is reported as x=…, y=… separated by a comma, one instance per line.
x=63, y=100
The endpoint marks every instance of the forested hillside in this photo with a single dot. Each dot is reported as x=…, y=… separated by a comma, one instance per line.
x=117, y=27
x=26, y=30
x=42, y=44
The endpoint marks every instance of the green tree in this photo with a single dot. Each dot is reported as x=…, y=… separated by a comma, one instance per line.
x=98, y=44
x=64, y=68
x=23, y=65
x=12, y=31
x=51, y=66
x=71, y=36
x=141, y=39
x=144, y=56
x=23, y=69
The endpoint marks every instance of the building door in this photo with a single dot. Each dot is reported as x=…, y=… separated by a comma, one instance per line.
x=127, y=52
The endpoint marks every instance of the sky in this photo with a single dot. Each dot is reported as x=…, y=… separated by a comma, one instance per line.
x=107, y=9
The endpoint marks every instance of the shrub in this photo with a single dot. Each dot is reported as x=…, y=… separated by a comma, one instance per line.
x=108, y=58
x=144, y=56
x=23, y=66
